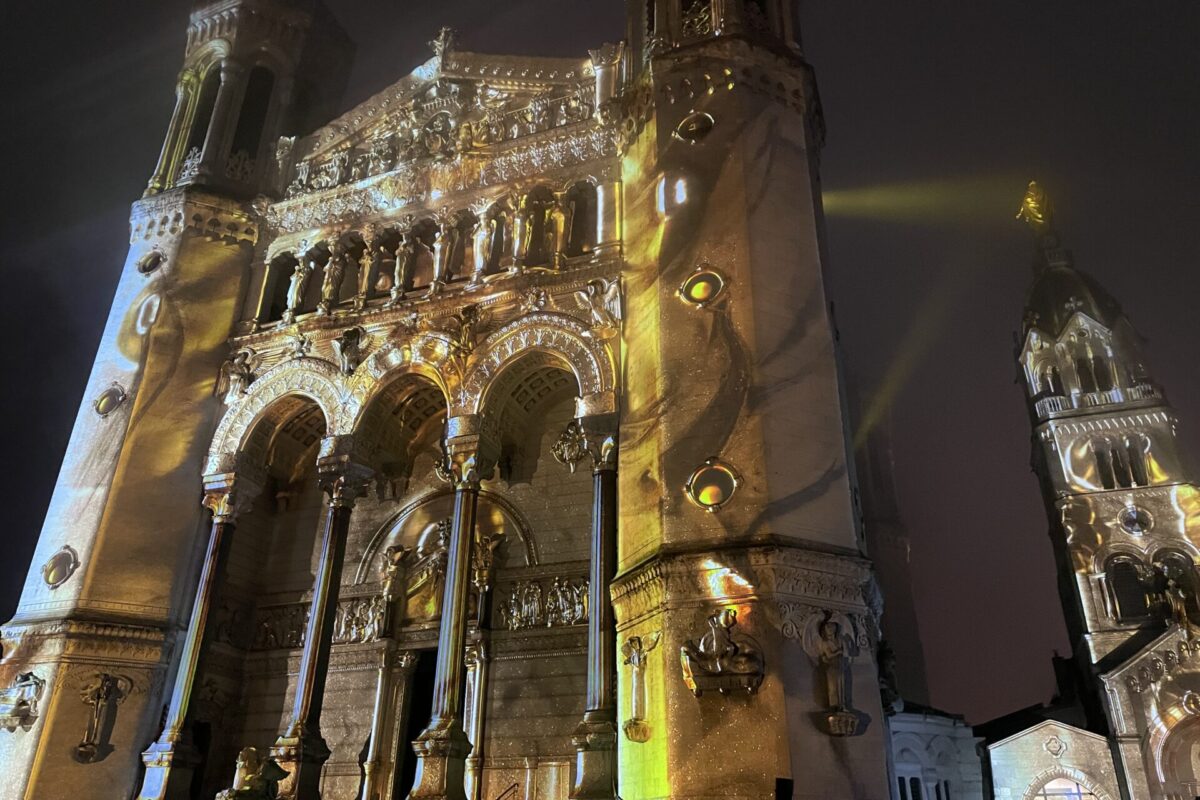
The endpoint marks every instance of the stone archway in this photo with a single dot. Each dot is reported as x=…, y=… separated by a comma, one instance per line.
x=1065, y=773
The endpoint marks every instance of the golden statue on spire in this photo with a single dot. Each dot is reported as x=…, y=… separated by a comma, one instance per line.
x=1036, y=210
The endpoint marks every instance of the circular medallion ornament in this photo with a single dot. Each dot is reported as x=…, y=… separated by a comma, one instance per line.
x=60, y=567
x=694, y=127
x=703, y=287
x=1135, y=520
x=712, y=485
x=150, y=262
x=110, y=400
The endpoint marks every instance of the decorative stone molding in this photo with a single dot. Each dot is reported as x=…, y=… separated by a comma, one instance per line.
x=171, y=213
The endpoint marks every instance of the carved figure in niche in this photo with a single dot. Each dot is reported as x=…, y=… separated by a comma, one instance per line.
x=580, y=597
x=721, y=662
x=104, y=694
x=830, y=642
x=331, y=284
x=366, y=269
x=19, y=702
x=297, y=285
x=531, y=604
x=254, y=778
x=235, y=377
x=601, y=300
x=481, y=237
x=558, y=605
x=349, y=348
x=1169, y=587
x=636, y=652
x=406, y=253
x=466, y=324
x=521, y=227
x=555, y=230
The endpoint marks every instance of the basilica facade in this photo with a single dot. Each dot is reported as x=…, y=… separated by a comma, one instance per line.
x=487, y=440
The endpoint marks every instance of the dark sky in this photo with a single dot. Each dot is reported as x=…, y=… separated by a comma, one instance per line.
x=938, y=112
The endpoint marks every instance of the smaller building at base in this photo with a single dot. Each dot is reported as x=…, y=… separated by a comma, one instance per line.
x=935, y=755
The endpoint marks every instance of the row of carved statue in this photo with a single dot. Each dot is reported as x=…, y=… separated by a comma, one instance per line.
x=448, y=119
x=541, y=228
x=531, y=605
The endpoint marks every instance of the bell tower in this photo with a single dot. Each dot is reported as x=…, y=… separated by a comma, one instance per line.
x=94, y=636
x=1118, y=489
x=741, y=558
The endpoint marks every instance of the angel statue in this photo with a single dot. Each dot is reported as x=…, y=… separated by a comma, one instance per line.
x=236, y=375
x=601, y=300
x=256, y=778
x=636, y=651
x=1036, y=210
x=349, y=348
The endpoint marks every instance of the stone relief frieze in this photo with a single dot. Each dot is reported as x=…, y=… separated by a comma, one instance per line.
x=357, y=620
x=544, y=604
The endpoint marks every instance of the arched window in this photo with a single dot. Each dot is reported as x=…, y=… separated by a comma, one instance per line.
x=1101, y=373
x=1087, y=380
x=203, y=114
x=1125, y=588
x=1064, y=789
x=581, y=199
x=1120, y=466
x=252, y=119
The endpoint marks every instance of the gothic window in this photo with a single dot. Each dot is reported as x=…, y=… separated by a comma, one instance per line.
x=253, y=117
x=1125, y=588
x=915, y=792
x=1064, y=789
x=1120, y=466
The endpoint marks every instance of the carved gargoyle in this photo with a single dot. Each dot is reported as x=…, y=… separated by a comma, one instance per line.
x=722, y=660
x=255, y=778
x=19, y=702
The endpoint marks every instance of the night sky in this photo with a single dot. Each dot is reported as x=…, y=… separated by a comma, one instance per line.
x=938, y=113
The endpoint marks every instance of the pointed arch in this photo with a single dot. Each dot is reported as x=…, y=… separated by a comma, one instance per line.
x=557, y=335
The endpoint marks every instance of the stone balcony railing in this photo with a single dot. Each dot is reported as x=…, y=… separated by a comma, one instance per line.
x=1052, y=406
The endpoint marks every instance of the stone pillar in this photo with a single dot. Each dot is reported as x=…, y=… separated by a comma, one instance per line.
x=212, y=160
x=184, y=98
x=300, y=749
x=727, y=17
x=171, y=760
x=606, y=63
x=442, y=748
x=393, y=585
x=608, y=217
x=400, y=706
x=477, y=663
x=596, y=736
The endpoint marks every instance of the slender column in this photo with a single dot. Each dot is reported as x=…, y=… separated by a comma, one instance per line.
x=443, y=746
x=301, y=750
x=727, y=17
x=595, y=738
x=171, y=760
x=608, y=217
x=230, y=91
x=401, y=708
x=477, y=677
x=171, y=145
x=393, y=584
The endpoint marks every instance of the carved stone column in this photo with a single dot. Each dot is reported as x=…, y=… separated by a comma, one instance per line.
x=606, y=62
x=477, y=662
x=442, y=748
x=393, y=586
x=184, y=99
x=300, y=749
x=171, y=760
x=595, y=439
x=608, y=217
x=229, y=94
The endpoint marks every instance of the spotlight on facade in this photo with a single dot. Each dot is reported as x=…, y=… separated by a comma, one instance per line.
x=703, y=287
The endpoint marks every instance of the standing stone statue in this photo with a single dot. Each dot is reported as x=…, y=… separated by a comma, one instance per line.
x=297, y=285
x=406, y=251
x=331, y=283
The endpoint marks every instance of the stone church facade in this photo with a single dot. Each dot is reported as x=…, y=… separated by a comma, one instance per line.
x=484, y=441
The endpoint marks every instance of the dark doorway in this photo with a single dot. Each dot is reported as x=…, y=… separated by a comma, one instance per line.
x=420, y=708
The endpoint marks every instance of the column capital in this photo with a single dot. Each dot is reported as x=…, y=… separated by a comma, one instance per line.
x=471, y=449
x=227, y=494
x=344, y=481
x=594, y=436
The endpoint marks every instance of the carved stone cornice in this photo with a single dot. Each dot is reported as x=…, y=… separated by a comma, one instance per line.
x=173, y=212
x=86, y=642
